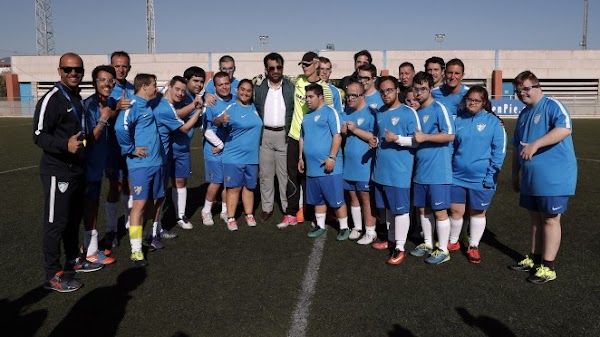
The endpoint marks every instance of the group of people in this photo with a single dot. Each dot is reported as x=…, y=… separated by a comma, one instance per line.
x=424, y=140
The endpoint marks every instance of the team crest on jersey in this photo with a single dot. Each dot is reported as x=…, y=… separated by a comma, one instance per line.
x=536, y=118
x=227, y=178
x=317, y=117
x=137, y=190
x=373, y=106
x=425, y=118
x=395, y=120
x=480, y=127
x=360, y=121
x=63, y=187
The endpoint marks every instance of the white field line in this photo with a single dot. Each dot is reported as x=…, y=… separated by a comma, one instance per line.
x=19, y=169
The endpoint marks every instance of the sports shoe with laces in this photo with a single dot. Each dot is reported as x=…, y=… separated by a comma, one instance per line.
x=421, y=250
x=367, y=239
x=437, y=257
x=397, y=257
x=473, y=255
x=288, y=220
x=138, y=259
x=453, y=246
x=250, y=220
x=542, y=274
x=316, y=232
x=184, y=223
x=354, y=234
x=207, y=219
x=343, y=234
x=524, y=265
x=381, y=245
x=166, y=234
x=80, y=265
x=232, y=224
x=62, y=284
x=156, y=243
x=100, y=257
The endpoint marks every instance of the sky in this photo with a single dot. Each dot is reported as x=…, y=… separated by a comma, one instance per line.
x=101, y=27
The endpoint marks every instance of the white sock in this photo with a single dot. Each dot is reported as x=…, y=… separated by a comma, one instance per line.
x=155, y=229
x=223, y=208
x=455, y=228
x=93, y=246
x=127, y=209
x=356, y=217
x=443, y=232
x=477, y=229
x=427, y=221
x=207, y=206
x=136, y=245
x=402, y=224
x=321, y=220
x=181, y=201
x=390, y=223
x=343, y=223
x=371, y=230
x=111, y=216
x=87, y=237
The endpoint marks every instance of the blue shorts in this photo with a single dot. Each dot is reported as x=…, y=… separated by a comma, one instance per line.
x=213, y=171
x=116, y=166
x=434, y=196
x=147, y=183
x=359, y=186
x=548, y=205
x=478, y=199
x=240, y=175
x=325, y=190
x=181, y=165
x=394, y=199
x=92, y=190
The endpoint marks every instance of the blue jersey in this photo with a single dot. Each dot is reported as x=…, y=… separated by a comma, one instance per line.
x=136, y=127
x=357, y=154
x=337, y=98
x=394, y=163
x=479, y=150
x=96, y=152
x=433, y=163
x=553, y=169
x=243, y=135
x=208, y=117
x=188, y=98
x=168, y=124
x=115, y=96
x=450, y=101
x=210, y=87
x=374, y=101
x=318, y=129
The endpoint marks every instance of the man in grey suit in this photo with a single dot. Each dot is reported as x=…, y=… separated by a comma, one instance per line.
x=274, y=101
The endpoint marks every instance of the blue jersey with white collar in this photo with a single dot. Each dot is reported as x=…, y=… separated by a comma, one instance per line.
x=553, y=169
x=96, y=152
x=318, y=129
x=450, y=101
x=374, y=101
x=243, y=135
x=209, y=115
x=479, y=150
x=168, y=124
x=357, y=154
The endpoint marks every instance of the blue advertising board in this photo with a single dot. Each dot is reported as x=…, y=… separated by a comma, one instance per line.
x=507, y=107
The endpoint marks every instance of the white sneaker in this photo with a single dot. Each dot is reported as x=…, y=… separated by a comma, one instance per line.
x=184, y=223
x=232, y=225
x=367, y=239
x=223, y=216
x=250, y=220
x=207, y=219
x=354, y=234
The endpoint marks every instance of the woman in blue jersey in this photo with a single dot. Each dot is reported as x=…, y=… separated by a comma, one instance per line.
x=240, y=153
x=479, y=150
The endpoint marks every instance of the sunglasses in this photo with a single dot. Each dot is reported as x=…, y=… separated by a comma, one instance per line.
x=68, y=70
x=272, y=68
x=353, y=96
x=307, y=64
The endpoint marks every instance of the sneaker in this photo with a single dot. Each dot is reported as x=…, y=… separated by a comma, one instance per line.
x=82, y=266
x=250, y=220
x=343, y=234
x=111, y=240
x=316, y=232
x=473, y=255
x=300, y=215
x=421, y=250
x=367, y=239
x=438, y=257
x=184, y=223
x=354, y=234
x=62, y=284
x=453, y=246
x=288, y=220
x=543, y=274
x=524, y=265
x=232, y=224
x=138, y=259
x=381, y=245
x=165, y=234
x=207, y=219
x=100, y=257
x=223, y=217
x=397, y=257
x=156, y=243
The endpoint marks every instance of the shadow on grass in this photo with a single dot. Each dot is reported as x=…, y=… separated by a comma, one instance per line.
x=489, y=326
x=106, y=303
x=399, y=331
x=490, y=239
x=12, y=317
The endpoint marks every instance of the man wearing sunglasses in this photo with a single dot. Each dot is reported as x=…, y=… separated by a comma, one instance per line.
x=59, y=130
x=274, y=102
x=226, y=65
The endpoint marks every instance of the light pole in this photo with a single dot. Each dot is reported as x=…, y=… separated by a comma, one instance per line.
x=439, y=38
x=583, y=42
x=264, y=41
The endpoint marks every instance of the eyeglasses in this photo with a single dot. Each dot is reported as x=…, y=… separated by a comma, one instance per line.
x=68, y=70
x=417, y=90
x=105, y=80
x=325, y=69
x=474, y=101
x=364, y=78
x=227, y=70
x=273, y=68
x=525, y=90
x=353, y=96
x=385, y=92
x=307, y=64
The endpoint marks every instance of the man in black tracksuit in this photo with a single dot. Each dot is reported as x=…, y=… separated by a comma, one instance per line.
x=58, y=130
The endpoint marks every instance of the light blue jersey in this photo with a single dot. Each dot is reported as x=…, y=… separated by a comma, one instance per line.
x=136, y=127
x=168, y=124
x=182, y=146
x=394, y=163
x=96, y=152
x=208, y=117
x=243, y=135
x=479, y=150
x=337, y=99
x=374, y=101
x=450, y=101
x=318, y=129
x=115, y=96
x=210, y=87
x=357, y=154
x=433, y=163
x=553, y=169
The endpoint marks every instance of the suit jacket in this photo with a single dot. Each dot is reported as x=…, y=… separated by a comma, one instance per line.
x=260, y=97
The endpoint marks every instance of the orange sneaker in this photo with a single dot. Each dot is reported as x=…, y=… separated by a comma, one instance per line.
x=381, y=245
x=300, y=215
x=453, y=246
x=473, y=255
x=397, y=257
x=100, y=257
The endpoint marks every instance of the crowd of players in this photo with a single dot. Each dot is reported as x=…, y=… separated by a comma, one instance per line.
x=424, y=140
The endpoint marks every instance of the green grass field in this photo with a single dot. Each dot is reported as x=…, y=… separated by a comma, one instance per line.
x=210, y=282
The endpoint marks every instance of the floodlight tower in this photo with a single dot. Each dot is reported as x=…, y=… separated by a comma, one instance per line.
x=150, y=32
x=44, y=33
